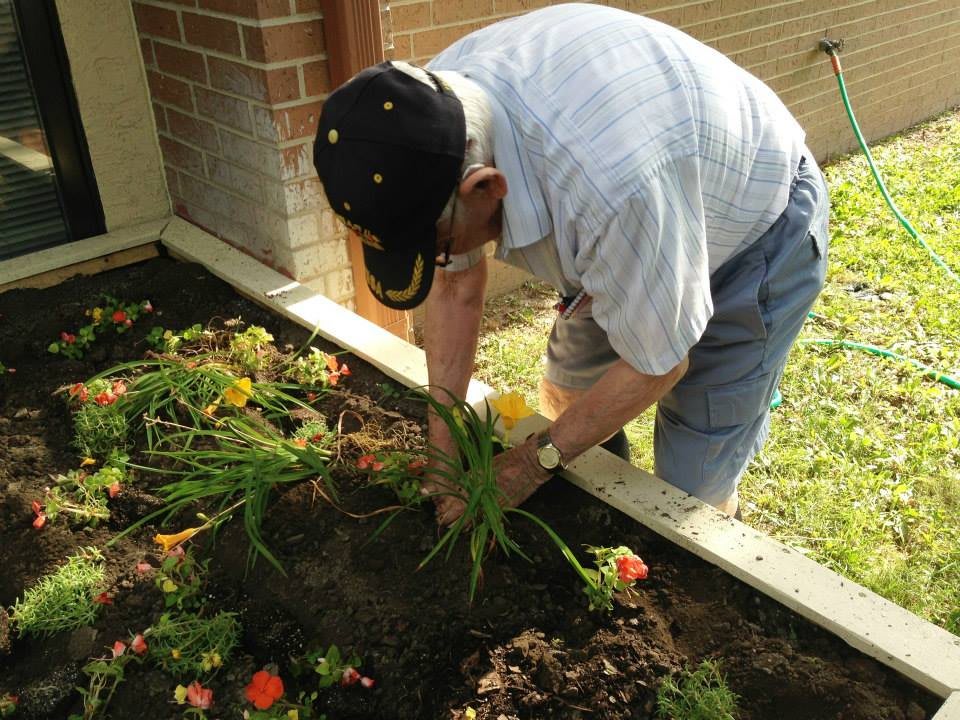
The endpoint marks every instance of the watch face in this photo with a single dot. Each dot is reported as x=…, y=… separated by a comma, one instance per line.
x=549, y=457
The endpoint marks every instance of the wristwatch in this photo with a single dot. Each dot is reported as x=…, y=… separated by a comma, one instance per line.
x=548, y=455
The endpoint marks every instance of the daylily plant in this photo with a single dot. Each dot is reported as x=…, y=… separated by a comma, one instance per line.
x=511, y=407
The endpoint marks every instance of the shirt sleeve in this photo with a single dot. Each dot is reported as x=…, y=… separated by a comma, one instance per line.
x=648, y=270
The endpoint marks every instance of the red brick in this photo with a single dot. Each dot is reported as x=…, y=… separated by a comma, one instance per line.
x=226, y=110
x=173, y=184
x=169, y=90
x=283, y=85
x=284, y=42
x=180, y=156
x=212, y=33
x=308, y=6
x=184, y=63
x=296, y=122
x=410, y=17
x=279, y=85
x=146, y=50
x=316, y=78
x=158, y=21
x=196, y=132
x=451, y=12
x=429, y=42
x=249, y=8
x=160, y=116
x=187, y=3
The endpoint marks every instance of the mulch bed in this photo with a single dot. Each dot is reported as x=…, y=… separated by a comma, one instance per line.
x=525, y=648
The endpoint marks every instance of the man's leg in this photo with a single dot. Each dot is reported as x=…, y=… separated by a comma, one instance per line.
x=713, y=422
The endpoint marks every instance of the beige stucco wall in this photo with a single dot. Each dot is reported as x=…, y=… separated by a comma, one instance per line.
x=111, y=88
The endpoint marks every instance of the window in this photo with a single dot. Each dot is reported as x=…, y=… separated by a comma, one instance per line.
x=47, y=192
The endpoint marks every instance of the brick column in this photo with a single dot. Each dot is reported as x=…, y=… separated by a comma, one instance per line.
x=237, y=87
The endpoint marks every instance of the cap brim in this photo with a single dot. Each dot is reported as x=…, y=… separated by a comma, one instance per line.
x=401, y=279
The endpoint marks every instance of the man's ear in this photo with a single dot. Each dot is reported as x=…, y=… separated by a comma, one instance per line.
x=487, y=180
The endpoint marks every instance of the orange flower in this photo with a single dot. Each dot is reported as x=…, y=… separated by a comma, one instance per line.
x=332, y=363
x=168, y=542
x=630, y=568
x=264, y=689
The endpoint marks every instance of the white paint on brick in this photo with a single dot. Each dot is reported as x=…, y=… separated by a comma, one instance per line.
x=236, y=179
x=303, y=230
x=299, y=163
x=263, y=124
x=219, y=201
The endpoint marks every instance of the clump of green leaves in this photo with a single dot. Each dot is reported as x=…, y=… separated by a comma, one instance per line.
x=100, y=426
x=316, y=433
x=83, y=497
x=317, y=369
x=617, y=571
x=62, y=600
x=111, y=315
x=330, y=666
x=166, y=340
x=249, y=348
x=180, y=578
x=699, y=694
x=105, y=675
x=400, y=471
x=190, y=644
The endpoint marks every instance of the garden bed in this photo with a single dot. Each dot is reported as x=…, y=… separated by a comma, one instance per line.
x=526, y=647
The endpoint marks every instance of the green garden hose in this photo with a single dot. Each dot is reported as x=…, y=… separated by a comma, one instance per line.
x=947, y=380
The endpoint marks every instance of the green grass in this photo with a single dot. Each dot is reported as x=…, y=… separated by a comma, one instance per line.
x=862, y=469
x=699, y=694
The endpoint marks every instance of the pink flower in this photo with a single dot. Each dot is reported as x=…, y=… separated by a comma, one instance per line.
x=68, y=338
x=631, y=568
x=114, y=489
x=144, y=567
x=177, y=552
x=147, y=306
x=128, y=322
x=376, y=466
x=118, y=316
x=344, y=370
x=119, y=388
x=119, y=648
x=367, y=682
x=350, y=676
x=365, y=461
x=138, y=645
x=199, y=696
x=104, y=599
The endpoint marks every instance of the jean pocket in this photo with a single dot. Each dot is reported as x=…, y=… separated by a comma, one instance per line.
x=738, y=290
x=739, y=403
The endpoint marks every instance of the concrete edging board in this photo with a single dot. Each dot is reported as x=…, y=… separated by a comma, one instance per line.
x=923, y=652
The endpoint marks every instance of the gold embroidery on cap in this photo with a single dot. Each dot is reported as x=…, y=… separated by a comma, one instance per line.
x=366, y=237
x=413, y=287
x=346, y=206
x=333, y=136
x=377, y=178
x=388, y=105
x=374, y=285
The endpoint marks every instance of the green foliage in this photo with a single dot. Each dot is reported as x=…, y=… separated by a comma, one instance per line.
x=316, y=368
x=329, y=665
x=700, y=694
x=180, y=578
x=81, y=496
x=112, y=315
x=62, y=600
x=316, y=433
x=105, y=675
x=249, y=347
x=188, y=644
x=100, y=426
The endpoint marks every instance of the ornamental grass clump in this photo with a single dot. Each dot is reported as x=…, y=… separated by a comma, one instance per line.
x=699, y=694
x=64, y=599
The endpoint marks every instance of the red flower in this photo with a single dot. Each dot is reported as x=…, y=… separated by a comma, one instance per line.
x=331, y=363
x=264, y=689
x=631, y=568
x=345, y=371
x=139, y=645
x=367, y=682
x=119, y=648
x=364, y=461
x=118, y=316
x=144, y=567
x=333, y=378
x=79, y=391
x=350, y=676
x=199, y=696
x=41, y=517
x=114, y=489
x=104, y=599
x=415, y=467
x=376, y=466
x=104, y=398
x=68, y=338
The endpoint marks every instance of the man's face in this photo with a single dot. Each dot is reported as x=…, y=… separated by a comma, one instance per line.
x=477, y=215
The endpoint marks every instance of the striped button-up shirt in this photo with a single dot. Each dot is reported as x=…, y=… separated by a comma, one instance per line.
x=644, y=156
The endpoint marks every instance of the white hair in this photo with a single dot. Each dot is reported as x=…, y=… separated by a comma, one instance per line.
x=476, y=113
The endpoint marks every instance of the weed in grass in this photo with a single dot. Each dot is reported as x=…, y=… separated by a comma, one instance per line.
x=62, y=600
x=189, y=644
x=700, y=694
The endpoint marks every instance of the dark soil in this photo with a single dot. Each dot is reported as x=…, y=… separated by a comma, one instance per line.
x=526, y=648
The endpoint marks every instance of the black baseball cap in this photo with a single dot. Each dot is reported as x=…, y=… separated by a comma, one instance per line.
x=389, y=150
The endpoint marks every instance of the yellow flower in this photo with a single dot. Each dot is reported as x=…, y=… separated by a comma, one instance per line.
x=88, y=461
x=210, y=409
x=97, y=314
x=293, y=714
x=238, y=393
x=168, y=542
x=180, y=694
x=511, y=407
x=470, y=714
x=176, y=654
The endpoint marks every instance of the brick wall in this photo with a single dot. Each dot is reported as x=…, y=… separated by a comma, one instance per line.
x=900, y=62
x=237, y=87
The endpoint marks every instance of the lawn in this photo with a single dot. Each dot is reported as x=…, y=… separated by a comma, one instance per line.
x=862, y=470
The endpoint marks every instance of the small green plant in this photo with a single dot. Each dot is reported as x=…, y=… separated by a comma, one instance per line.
x=190, y=644
x=166, y=340
x=700, y=694
x=400, y=471
x=317, y=369
x=8, y=705
x=83, y=497
x=112, y=314
x=106, y=674
x=180, y=578
x=249, y=348
x=100, y=426
x=62, y=600
x=617, y=571
x=333, y=668
x=315, y=433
